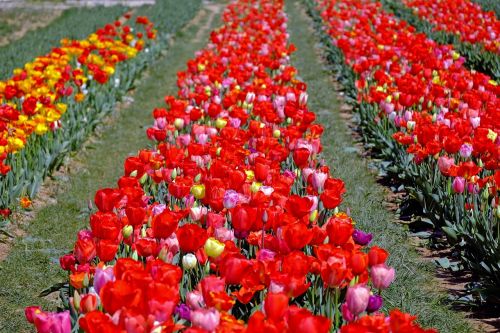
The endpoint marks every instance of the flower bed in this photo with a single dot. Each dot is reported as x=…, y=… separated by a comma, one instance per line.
x=464, y=18
x=433, y=120
x=476, y=55
x=72, y=87
x=230, y=223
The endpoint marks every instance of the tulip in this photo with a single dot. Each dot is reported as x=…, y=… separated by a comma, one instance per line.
x=189, y=261
x=88, y=303
x=458, y=185
x=183, y=311
x=213, y=248
x=102, y=276
x=382, y=276
x=195, y=300
x=231, y=199
x=362, y=238
x=357, y=298
x=318, y=180
x=374, y=303
x=198, y=191
x=466, y=150
x=445, y=163
x=208, y=319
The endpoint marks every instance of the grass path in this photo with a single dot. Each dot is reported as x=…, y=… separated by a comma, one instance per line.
x=415, y=288
x=32, y=264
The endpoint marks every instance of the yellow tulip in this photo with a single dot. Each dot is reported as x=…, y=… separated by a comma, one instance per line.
x=213, y=248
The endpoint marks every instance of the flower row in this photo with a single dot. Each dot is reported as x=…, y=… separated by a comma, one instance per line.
x=48, y=107
x=230, y=223
x=463, y=18
x=417, y=92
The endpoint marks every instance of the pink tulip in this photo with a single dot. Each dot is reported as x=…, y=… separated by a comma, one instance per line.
x=206, y=319
x=48, y=322
x=445, y=163
x=318, y=180
x=357, y=298
x=101, y=277
x=382, y=276
x=458, y=185
x=194, y=300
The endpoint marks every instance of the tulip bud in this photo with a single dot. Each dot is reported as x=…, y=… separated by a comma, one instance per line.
x=213, y=248
x=276, y=133
x=135, y=256
x=173, y=175
x=163, y=255
x=189, y=261
x=143, y=179
x=410, y=125
x=313, y=216
x=217, y=152
x=197, y=178
x=133, y=173
x=86, y=280
x=76, y=300
x=497, y=212
x=127, y=231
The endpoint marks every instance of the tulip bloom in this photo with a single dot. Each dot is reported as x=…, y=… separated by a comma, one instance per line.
x=382, y=276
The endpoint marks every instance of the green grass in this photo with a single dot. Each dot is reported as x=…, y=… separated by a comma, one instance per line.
x=32, y=264
x=73, y=23
x=415, y=288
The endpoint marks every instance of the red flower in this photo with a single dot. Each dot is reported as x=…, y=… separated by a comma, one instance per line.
x=164, y=224
x=191, y=237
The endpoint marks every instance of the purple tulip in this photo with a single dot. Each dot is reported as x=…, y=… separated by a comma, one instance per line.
x=362, y=238
x=183, y=311
x=466, y=150
x=374, y=303
x=230, y=199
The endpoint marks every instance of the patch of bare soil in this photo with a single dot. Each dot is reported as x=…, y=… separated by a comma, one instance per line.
x=19, y=22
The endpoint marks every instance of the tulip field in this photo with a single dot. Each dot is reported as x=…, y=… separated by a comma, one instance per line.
x=232, y=193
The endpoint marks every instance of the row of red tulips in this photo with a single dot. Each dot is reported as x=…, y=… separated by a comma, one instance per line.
x=230, y=223
x=417, y=92
x=464, y=18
